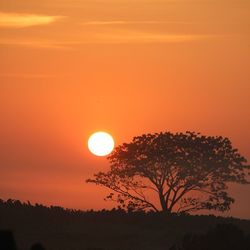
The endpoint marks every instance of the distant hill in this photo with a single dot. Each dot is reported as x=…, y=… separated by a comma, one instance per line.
x=65, y=229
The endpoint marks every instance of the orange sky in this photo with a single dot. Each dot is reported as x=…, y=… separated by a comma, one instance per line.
x=71, y=67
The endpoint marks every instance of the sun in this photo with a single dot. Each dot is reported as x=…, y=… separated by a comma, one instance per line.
x=101, y=143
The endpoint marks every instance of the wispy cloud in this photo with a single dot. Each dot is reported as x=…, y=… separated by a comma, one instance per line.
x=105, y=38
x=22, y=75
x=15, y=20
x=141, y=37
x=110, y=36
x=35, y=43
x=123, y=22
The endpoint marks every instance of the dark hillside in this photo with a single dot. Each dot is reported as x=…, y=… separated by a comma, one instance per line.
x=63, y=229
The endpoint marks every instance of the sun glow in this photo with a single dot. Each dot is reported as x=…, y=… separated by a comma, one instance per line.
x=101, y=143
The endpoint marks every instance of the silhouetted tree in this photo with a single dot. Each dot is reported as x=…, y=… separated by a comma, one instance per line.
x=186, y=171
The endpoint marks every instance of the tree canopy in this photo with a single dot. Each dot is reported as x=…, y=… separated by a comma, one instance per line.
x=173, y=172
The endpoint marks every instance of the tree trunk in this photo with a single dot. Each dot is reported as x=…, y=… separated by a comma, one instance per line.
x=162, y=201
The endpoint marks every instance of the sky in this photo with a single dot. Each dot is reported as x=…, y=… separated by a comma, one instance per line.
x=69, y=68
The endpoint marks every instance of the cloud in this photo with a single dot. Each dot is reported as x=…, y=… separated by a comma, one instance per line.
x=115, y=22
x=105, y=38
x=122, y=22
x=23, y=75
x=35, y=43
x=141, y=37
x=15, y=20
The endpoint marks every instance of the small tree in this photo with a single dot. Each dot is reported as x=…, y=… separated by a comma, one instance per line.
x=186, y=172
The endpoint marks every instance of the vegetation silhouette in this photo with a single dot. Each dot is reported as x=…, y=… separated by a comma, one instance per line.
x=222, y=237
x=185, y=171
x=116, y=229
x=7, y=241
x=37, y=246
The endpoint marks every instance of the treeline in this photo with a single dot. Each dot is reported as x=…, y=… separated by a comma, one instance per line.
x=17, y=204
x=12, y=205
